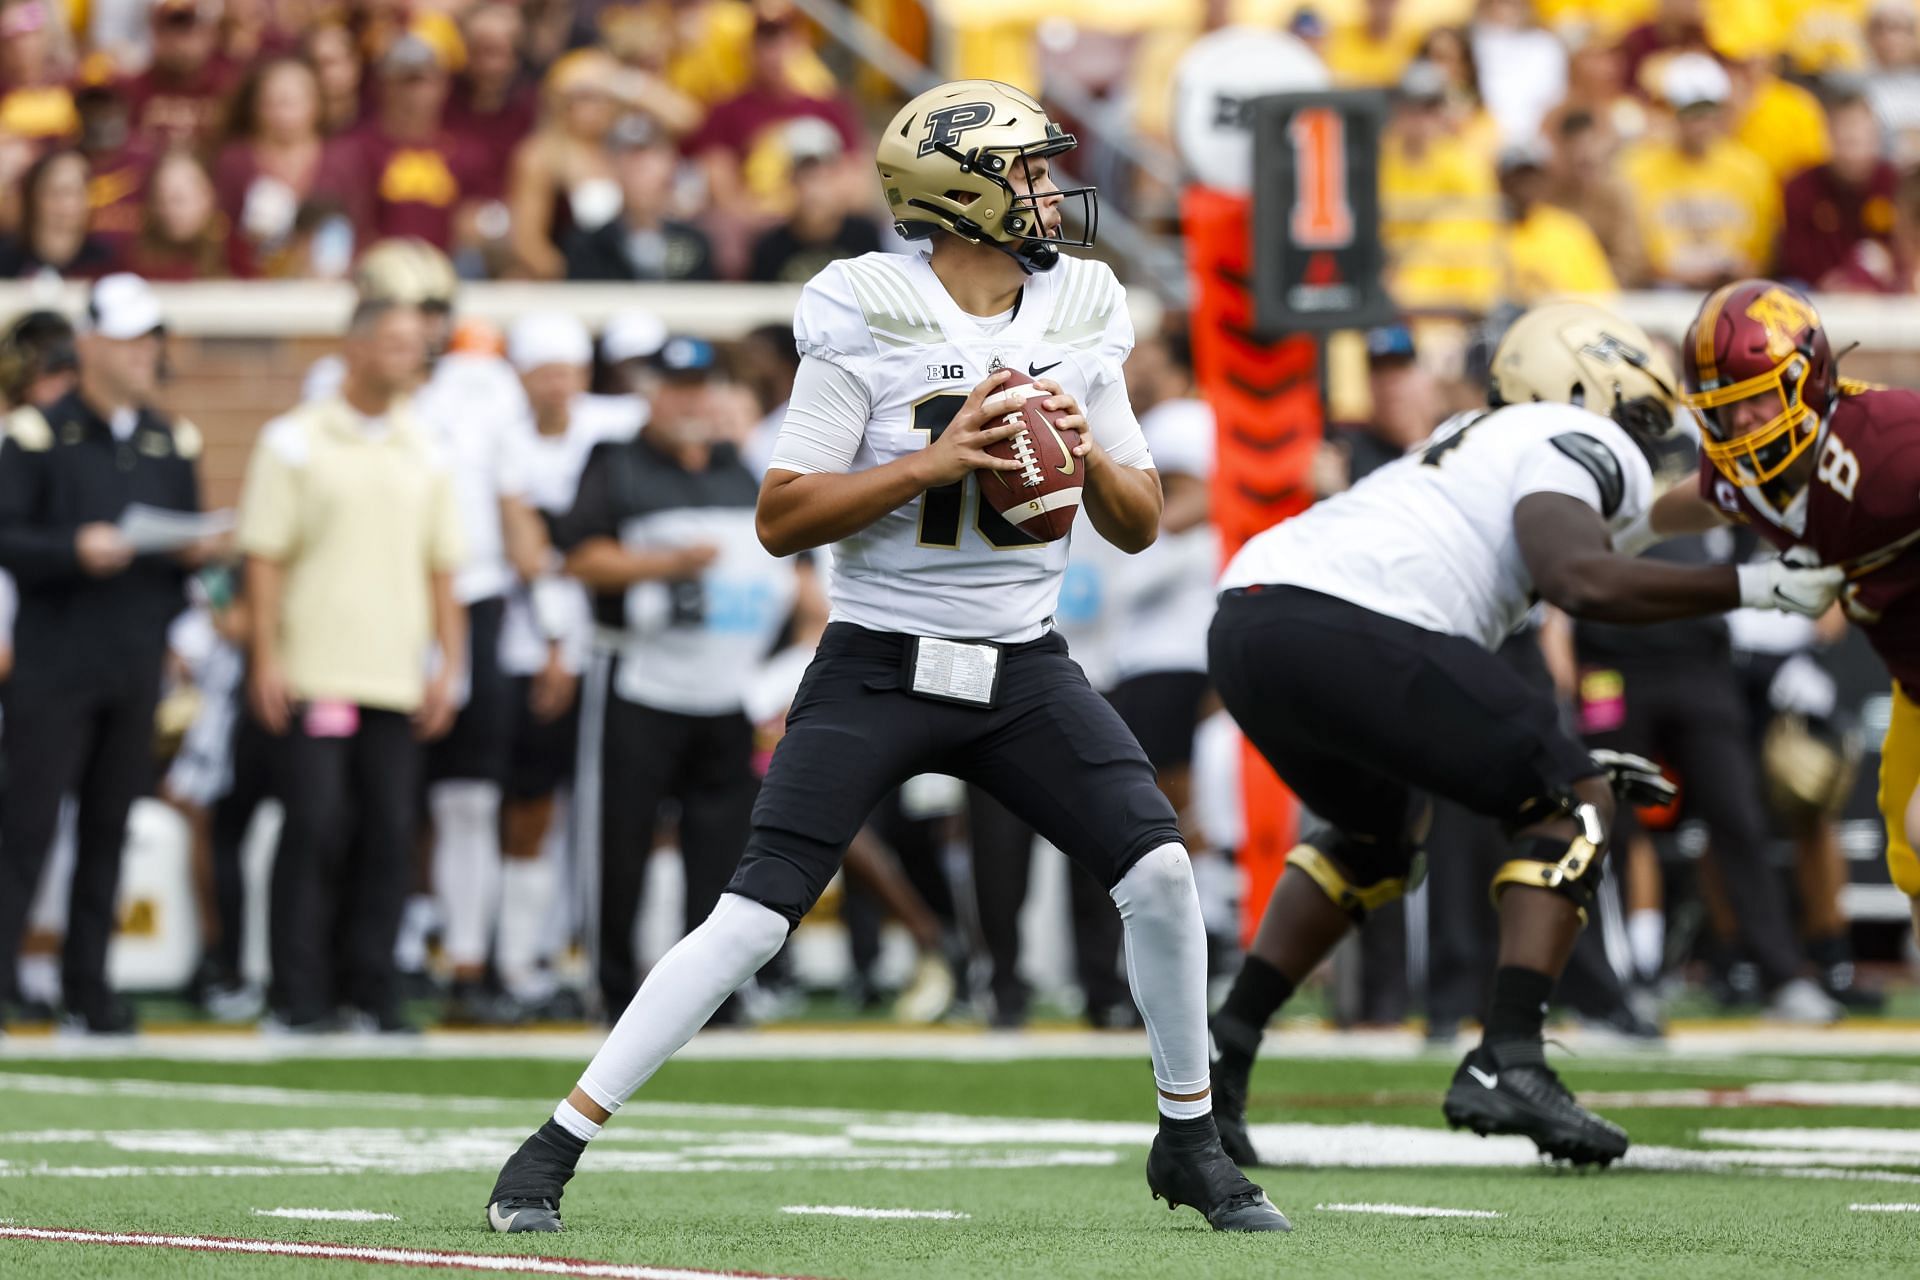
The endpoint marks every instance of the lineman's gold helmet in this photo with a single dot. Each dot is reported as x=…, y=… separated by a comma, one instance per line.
x=949, y=161
x=1581, y=354
x=405, y=270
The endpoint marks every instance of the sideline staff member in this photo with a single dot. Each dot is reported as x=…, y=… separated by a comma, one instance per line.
x=352, y=540
x=92, y=627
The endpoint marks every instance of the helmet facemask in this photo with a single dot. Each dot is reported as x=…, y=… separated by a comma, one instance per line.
x=1759, y=456
x=1021, y=231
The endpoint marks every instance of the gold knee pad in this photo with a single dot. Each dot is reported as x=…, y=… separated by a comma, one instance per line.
x=1354, y=899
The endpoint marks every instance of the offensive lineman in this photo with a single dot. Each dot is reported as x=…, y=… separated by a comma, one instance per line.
x=1353, y=647
x=941, y=655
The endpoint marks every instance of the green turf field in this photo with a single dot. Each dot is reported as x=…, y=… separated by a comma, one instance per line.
x=1748, y=1166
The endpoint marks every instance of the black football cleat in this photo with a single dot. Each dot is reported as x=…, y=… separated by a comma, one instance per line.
x=526, y=1197
x=1524, y=1096
x=1234, y=1046
x=1198, y=1173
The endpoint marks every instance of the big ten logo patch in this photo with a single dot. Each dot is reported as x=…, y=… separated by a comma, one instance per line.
x=946, y=372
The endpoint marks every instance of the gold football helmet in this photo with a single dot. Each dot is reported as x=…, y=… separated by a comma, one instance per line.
x=952, y=160
x=406, y=270
x=1577, y=353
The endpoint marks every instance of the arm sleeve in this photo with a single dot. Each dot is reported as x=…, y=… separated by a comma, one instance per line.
x=826, y=420
x=1109, y=410
x=1110, y=414
x=33, y=553
x=269, y=503
x=591, y=515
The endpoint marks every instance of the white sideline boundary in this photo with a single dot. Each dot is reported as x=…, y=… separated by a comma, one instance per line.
x=958, y=1044
x=497, y=1263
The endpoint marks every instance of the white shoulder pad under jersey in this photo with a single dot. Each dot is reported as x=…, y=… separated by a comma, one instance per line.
x=946, y=564
x=1429, y=538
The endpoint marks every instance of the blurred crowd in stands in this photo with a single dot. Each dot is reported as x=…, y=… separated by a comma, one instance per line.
x=207, y=139
x=1650, y=143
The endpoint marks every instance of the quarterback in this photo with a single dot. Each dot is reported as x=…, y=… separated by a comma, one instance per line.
x=1352, y=645
x=1826, y=467
x=940, y=655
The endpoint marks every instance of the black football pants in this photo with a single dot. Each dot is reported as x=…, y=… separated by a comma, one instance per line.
x=705, y=764
x=346, y=858
x=96, y=745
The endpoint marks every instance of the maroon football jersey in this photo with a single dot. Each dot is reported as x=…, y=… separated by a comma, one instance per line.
x=1863, y=500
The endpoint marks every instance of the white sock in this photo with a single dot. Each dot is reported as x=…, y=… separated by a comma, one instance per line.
x=568, y=1117
x=466, y=866
x=418, y=918
x=1647, y=941
x=1167, y=970
x=681, y=993
x=526, y=897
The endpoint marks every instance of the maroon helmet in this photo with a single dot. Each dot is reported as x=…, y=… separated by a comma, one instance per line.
x=1760, y=376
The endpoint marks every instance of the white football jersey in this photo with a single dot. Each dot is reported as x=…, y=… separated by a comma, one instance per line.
x=548, y=468
x=473, y=405
x=946, y=564
x=1428, y=538
x=1166, y=592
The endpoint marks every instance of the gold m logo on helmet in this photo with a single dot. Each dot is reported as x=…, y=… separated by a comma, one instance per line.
x=1785, y=318
x=945, y=126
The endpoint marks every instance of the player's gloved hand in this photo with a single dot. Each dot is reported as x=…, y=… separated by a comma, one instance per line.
x=1635, y=779
x=1780, y=584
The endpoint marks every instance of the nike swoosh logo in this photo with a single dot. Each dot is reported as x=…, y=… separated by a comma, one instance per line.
x=1487, y=1081
x=1067, y=468
x=1034, y=370
x=502, y=1221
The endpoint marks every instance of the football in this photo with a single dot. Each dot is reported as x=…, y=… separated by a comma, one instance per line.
x=1042, y=498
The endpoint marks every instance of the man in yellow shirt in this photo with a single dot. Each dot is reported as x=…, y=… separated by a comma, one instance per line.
x=1549, y=251
x=1781, y=123
x=1373, y=52
x=1708, y=208
x=1439, y=205
x=348, y=522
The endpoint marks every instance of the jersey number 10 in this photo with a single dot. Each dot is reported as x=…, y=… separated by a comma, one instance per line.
x=941, y=509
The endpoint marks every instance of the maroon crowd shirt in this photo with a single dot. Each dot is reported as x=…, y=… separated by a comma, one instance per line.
x=411, y=189
x=168, y=111
x=1826, y=223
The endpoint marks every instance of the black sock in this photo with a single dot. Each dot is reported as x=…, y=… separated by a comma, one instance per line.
x=1198, y=1131
x=553, y=1135
x=1258, y=992
x=1519, y=1006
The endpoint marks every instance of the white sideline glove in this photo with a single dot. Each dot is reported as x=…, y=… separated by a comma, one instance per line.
x=1776, y=584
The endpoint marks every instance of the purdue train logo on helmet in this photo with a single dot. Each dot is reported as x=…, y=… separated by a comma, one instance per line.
x=1761, y=378
x=953, y=160
x=1580, y=354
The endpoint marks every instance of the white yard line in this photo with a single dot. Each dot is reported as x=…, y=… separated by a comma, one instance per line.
x=1408, y=1211
x=393, y=1257
x=1885, y=1208
x=327, y=1215
x=854, y=1211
